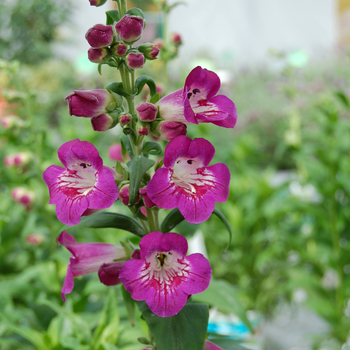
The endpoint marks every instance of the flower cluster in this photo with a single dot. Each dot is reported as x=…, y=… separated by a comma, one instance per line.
x=159, y=272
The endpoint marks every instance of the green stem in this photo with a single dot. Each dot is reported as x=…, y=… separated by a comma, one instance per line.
x=123, y=8
x=152, y=222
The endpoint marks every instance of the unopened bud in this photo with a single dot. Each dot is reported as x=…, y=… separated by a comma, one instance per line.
x=146, y=200
x=158, y=42
x=97, y=3
x=146, y=111
x=103, y=122
x=98, y=55
x=149, y=50
x=18, y=160
x=129, y=28
x=169, y=130
x=11, y=121
x=176, y=39
x=124, y=195
x=125, y=119
x=115, y=152
x=23, y=196
x=100, y=36
x=35, y=239
x=109, y=273
x=119, y=49
x=143, y=130
x=135, y=60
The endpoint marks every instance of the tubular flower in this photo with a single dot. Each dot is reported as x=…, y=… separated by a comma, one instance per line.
x=84, y=182
x=164, y=276
x=86, y=258
x=197, y=103
x=185, y=181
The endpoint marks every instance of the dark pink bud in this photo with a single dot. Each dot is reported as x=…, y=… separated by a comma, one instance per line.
x=149, y=50
x=169, y=130
x=129, y=28
x=99, y=36
x=176, y=39
x=23, y=196
x=135, y=60
x=89, y=103
x=158, y=42
x=125, y=119
x=97, y=2
x=119, y=49
x=146, y=200
x=143, y=130
x=35, y=239
x=97, y=55
x=103, y=122
x=147, y=111
x=9, y=161
x=115, y=152
x=136, y=254
x=109, y=273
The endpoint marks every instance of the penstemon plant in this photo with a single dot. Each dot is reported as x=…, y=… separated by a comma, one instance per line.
x=158, y=276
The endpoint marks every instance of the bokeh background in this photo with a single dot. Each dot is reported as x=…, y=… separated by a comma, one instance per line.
x=285, y=280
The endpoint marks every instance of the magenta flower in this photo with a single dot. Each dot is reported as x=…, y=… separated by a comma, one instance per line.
x=129, y=28
x=86, y=258
x=165, y=277
x=99, y=36
x=185, y=181
x=84, y=182
x=197, y=103
x=89, y=103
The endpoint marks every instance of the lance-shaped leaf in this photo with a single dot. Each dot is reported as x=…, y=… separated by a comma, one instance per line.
x=126, y=146
x=138, y=167
x=175, y=217
x=105, y=219
x=118, y=88
x=155, y=98
x=145, y=79
x=153, y=148
x=186, y=330
x=112, y=16
x=129, y=305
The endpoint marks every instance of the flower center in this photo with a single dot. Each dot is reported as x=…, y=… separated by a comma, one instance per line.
x=184, y=171
x=79, y=180
x=193, y=92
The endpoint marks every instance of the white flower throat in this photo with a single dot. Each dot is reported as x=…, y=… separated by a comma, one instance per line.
x=185, y=173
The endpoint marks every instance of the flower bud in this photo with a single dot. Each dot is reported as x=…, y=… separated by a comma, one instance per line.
x=146, y=111
x=18, y=160
x=100, y=36
x=169, y=130
x=97, y=3
x=98, y=55
x=103, y=122
x=125, y=119
x=89, y=103
x=146, y=200
x=149, y=50
x=176, y=39
x=143, y=130
x=135, y=60
x=11, y=121
x=129, y=28
x=115, y=152
x=35, y=239
x=124, y=195
x=23, y=196
x=119, y=49
x=109, y=273
x=9, y=161
x=158, y=42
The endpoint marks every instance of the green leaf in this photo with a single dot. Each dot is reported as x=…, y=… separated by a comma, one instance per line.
x=343, y=98
x=108, y=324
x=126, y=145
x=138, y=167
x=186, y=330
x=222, y=217
x=33, y=336
x=155, y=98
x=145, y=79
x=153, y=148
x=118, y=88
x=112, y=16
x=135, y=12
x=129, y=305
x=171, y=220
x=105, y=219
x=223, y=295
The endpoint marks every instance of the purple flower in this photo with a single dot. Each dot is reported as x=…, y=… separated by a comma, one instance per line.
x=86, y=258
x=97, y=55
x=185, y=181
x=99, y=36
x=197, y=103
x=84, y=182
x=129, y=28
x=135, y=60
x=89, y=103
x=165, y=277
x=146, y=111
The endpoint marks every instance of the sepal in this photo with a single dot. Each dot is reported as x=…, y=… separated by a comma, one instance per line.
x=141, y=81
x=118, y=88
x=153, y=148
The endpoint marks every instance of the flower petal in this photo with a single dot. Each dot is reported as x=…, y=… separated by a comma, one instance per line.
x=171, y=107
x=70, y=210
x=68, y=283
